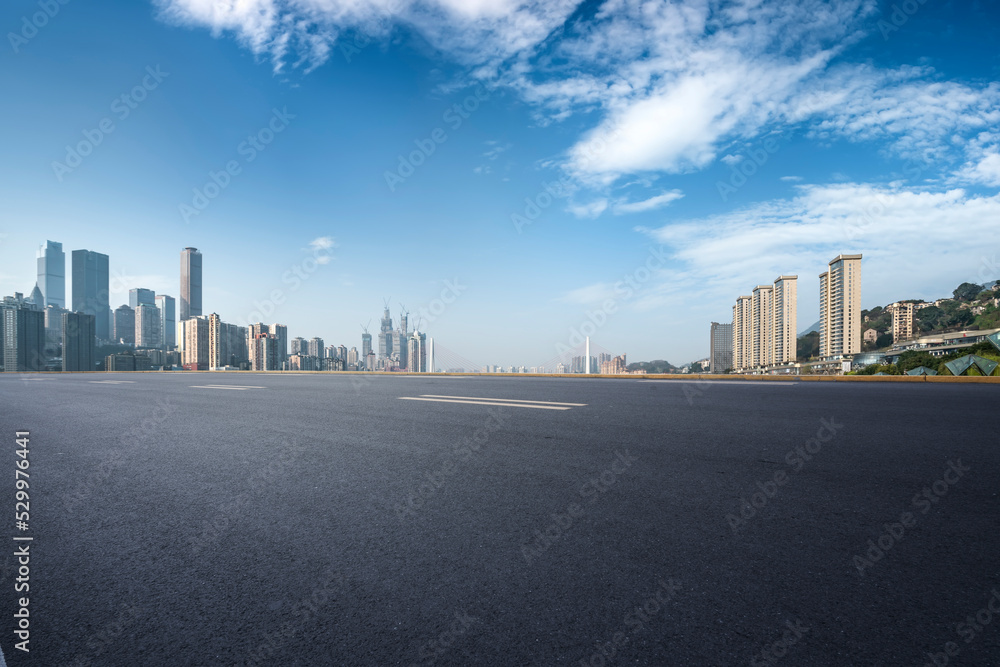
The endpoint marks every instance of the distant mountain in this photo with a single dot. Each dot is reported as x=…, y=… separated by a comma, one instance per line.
x=814, y=327
x=657, y=366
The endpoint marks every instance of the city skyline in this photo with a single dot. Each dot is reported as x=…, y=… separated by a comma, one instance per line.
x=781, y=333
x=524, y=173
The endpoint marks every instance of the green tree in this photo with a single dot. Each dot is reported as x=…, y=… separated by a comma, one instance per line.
x=914, y=359
x=807, y=347
x=967, y=291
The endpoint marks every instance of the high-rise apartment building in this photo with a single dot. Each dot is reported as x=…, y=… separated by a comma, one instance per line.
x=608, y=365
x=90, y=289
x=721, y=347
x=763, y=327
x=300, y=346
x=52, y=274
x=168, y=320
x=902, y=321
x=218, y=343
x=227, y=343
x=280, y=333
x=141, y=295
x=742, y=333
x=147, y=327
x=196, y=349
x=317, y=348
x=762, y=332
x=190, y=283
x=79, y=340
x=264, y=353
x=786, y=306
x=22, y=335
x=124, y=331
x=840, y=307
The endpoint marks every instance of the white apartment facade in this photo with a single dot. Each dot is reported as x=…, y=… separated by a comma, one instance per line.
x=840, y=308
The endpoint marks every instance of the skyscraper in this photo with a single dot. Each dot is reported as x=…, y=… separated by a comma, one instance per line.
x=52, y=274
x=385, y=348
x=53, y=329
x=366, y=343
x=168, y=320
x=417, y=353
x=763, y=328
x=786, y=306
x=721, y=348
x=264, y=353
x=141, y=295
x=227, y=343
x=840, y=307
x=218, y=343
x=147, y=326
x=90, y=289
x=742, y=333
x=762, y=332
x=300, y=346
x=124, y=325
x=22, y=335
x=190, y=283
x=280, y=333
x=317, y=348
x=196, y=350
x=78, y=342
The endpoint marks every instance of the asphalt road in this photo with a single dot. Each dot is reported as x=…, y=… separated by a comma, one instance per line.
x=319, y=519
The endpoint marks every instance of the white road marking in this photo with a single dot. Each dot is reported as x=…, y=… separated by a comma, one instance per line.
x=111, y=381
x=507, y=400
x=225, y=386
x=505, y=405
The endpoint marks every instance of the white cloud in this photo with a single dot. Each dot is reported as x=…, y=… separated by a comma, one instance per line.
x=986, y=171
x=791, y=179
x=479, y=33
x=672, y=84
x=648, y=204
x=591, y=294
x=589, y=210
x=320, y=247
x=323, y=243
x=496, y=149
x=906, y=235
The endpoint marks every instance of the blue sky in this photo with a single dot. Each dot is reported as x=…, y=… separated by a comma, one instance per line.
x=580, y=182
